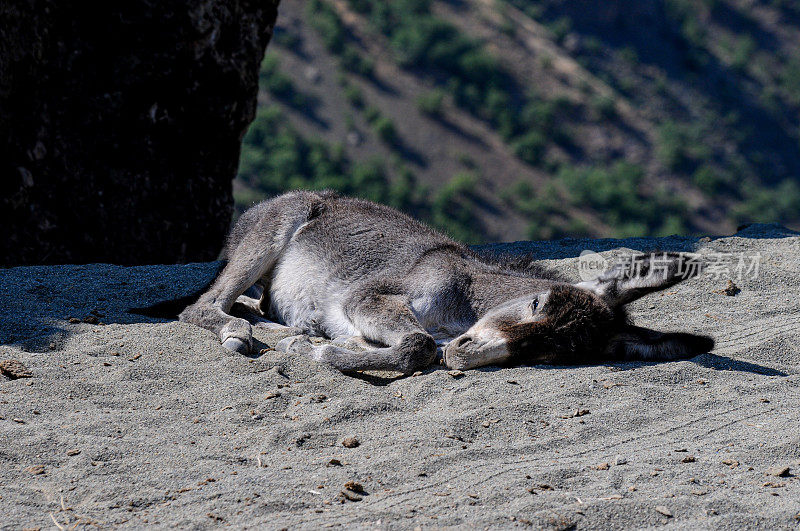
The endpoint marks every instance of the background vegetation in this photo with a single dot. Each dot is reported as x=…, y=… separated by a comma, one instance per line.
x=565, y=122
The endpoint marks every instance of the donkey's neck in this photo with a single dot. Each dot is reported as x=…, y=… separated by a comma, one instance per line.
x=488, y=288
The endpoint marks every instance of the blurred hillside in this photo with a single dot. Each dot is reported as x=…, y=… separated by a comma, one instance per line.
x=517, y=119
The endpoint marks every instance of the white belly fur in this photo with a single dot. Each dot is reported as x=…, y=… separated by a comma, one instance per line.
x=303, y=295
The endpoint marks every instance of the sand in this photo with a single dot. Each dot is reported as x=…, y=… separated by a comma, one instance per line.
x=136, y=422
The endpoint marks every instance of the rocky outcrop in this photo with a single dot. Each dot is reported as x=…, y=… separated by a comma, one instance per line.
x=120, y=126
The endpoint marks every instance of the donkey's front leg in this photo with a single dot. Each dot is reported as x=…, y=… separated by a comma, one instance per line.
x=384, y=319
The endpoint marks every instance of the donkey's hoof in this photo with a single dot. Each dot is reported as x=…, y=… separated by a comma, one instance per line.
x=299, y=344
x=235, y=344
x=237, y=336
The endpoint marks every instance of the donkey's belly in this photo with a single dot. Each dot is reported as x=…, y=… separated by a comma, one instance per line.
x=302, y=294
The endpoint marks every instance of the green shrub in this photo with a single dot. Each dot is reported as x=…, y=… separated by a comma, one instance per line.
x=672, y=225
x=769, y=205
x=680, y=147
x=560, y=28
x=286, y=38
x=360, y=6
x=616, y=194
x=541, y=209
x=593, y=45
x=629, y=55
x=531, y=147
x=709, y=179
x=385, y=129
x=452, y=209
x=354, y=95
x=403, y=192
x=790, y=80
x=279, y=84
x=467, y=161
x=326, y=21
x=353, y=61
x=743, y=52
x=372, y=114
x=431, y=102
x=603, y=106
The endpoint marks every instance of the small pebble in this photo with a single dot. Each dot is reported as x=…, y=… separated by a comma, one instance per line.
x=731, y=289
x=663, y=510
x=354, y=486
x=603, y=466
x=688, y=459
x=456, y=373
x=350, y=442
x=346, y=494
x=619, y=460
x=778, y=471
x=74, y=451
x=36, y=469
x=334, y=462
x=576, y=413
x=14, y=369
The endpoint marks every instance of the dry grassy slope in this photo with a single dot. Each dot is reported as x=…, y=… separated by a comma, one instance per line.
x=436, y=150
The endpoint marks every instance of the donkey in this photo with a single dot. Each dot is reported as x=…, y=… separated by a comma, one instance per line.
x=368, y=275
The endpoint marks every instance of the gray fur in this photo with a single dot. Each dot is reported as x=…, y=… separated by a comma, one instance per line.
x=340, y=267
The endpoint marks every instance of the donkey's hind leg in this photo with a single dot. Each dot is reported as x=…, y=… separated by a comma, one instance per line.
x=212, y=311
x=254, y=245
x=249, y=307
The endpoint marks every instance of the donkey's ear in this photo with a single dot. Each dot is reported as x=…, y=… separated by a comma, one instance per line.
x=637, y=343
x=641, y=274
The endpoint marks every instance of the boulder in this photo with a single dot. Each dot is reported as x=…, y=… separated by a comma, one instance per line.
x=120, y=126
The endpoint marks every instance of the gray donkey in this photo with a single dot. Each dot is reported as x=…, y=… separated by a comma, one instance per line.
x=368, y=275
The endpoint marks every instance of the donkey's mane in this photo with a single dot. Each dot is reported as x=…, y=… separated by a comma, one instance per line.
x=520, y=265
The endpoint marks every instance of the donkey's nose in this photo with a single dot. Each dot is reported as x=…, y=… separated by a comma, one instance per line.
x=463, y=340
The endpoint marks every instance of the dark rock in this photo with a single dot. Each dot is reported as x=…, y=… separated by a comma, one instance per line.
x=120, y=126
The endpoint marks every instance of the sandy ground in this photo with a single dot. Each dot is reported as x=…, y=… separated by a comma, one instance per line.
x=137, y=422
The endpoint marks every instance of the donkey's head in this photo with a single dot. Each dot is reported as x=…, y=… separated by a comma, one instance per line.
x=580, y=323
